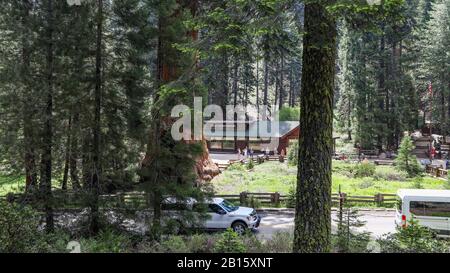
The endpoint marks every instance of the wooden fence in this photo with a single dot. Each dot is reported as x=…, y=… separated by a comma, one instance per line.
x=437, y=171
x=138, y=200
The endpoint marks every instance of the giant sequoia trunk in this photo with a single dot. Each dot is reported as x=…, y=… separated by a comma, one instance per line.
x=168, y=72
x=313, y=209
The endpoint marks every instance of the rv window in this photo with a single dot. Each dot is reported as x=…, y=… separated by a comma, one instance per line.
x=432, y=209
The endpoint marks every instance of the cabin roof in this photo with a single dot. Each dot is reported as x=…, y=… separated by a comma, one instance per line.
x=254, y=130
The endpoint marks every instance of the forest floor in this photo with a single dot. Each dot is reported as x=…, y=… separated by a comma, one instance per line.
x=280, y=177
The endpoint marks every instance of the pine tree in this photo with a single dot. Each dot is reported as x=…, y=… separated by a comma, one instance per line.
x=348, y=238
x=406, y=161
x=313, y=209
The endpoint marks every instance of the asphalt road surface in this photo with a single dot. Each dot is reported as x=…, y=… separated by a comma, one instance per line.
x=378, y=223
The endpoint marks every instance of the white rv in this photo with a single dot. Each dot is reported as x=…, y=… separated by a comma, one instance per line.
x=431, y=208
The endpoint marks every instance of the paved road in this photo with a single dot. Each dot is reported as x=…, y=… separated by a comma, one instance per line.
x=378, y=223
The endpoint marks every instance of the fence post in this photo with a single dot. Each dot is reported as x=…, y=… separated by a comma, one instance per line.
x=379, y=198
x=121, y=200
x=243, y=198
x=276, y=198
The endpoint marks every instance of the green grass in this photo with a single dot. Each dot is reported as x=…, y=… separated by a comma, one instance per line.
x=12, y=184
x=267, y=177
x=276, y=177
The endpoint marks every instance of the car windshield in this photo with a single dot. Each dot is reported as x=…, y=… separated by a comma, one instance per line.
x=228, y=206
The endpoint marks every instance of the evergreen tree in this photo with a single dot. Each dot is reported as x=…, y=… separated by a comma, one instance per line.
x=406, y=161
x=313, y=209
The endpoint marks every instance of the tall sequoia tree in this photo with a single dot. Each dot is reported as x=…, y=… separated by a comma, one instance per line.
x=170, y=167
x=313, y=209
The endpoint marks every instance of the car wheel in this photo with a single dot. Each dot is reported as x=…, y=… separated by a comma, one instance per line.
x=239, y=227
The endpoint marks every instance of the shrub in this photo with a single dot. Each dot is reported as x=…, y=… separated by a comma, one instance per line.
x=364, y=170
x=448, y=181
x=347, y=240
x=292, y=197
x=281, y=242
x=365, y=184
x=107, y=241
x=19, y=230
x=293, y=154
x=200, y=243
x=230, y=242
x=252, y=243
x=174, y=244
x=236, y=167
x=390, y=174
x=251, y=164
x=413, y=239
x=406, y=161
x=417, y=183
x=253, y=202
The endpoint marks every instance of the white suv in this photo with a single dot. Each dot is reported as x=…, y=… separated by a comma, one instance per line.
x=222, y=214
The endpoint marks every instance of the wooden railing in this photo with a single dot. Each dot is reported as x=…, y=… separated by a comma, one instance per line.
x=138, y=200
x=437, y=171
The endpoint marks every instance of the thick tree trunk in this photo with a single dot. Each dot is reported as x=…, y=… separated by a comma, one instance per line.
x=46, y=158
x=313, y=209
x=96, y=165
x=67, y=156
x=29, y=154
x=73, y=158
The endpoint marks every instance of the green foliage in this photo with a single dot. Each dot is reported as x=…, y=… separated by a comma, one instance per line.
x=418, y=183
x=251, y=164
x=289, y=114
x=174, y=244
x=448, y=181
x=406, y=161
x=281, y=242
x=389, y=174
x=236, y=167
x=348, y=239
x=276, y=177
x=107, y=241
x=19, y=232
x=252, y=202
x=364, y=170
x=413, y=239
x=230, y=242
x=292, y=198
x=293, y=154
x=200, y=243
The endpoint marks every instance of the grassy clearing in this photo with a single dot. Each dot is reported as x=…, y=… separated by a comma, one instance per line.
x=276, y=177
x=12, y=184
